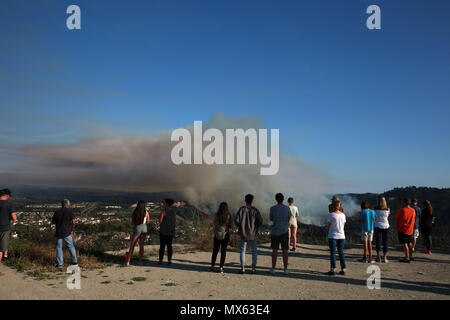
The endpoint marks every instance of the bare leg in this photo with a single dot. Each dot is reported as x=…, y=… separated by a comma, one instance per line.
x=295, y=237
x=274, y=257
x=133, y=243
x=406, y=250
x=285, y=258
x=141, y=247
x=289, y=231
x=365, y=248
x=370, y=249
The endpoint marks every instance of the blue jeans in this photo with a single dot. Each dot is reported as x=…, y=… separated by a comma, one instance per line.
x=379, y=235
x=59, y=250
x=254, y=251
x=339, y=243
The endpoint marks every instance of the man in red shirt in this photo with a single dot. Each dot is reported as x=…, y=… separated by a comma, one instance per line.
x=405, y=226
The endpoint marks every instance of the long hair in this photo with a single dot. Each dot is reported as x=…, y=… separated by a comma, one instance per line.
x=139, y=213
x=382, y=204
x=223, y=214
x=336, y=205
x=427, y=205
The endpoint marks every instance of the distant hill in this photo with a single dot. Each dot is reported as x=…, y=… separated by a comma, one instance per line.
x=31, y=195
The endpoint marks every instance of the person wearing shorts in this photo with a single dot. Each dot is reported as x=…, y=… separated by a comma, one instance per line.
x=280, y=216
x=7, y=214
x=293, y=223
x=140, y=219
x=367, y=217
x=405, y=226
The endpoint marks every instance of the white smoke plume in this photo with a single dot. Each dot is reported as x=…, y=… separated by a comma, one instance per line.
x=144, y=164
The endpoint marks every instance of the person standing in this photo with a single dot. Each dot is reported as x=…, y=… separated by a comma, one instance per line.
x=280, y=215
x=222, y=225
x=140, y=220
x=426, y=225
x=293, y=227
x=405, y=226
x=367, y=217
x=414, y=205
x=167, y=220
x=382, y=213
x=7, y=214
x=336, y=237
x=64, y=221
x=248, y=219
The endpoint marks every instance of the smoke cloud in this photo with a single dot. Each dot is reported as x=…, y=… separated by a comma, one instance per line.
x=144, y=164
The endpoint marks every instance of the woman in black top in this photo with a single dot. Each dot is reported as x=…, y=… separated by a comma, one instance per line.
x=426, y=224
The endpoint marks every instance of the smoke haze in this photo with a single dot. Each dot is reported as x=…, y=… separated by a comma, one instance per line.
x=144, y=164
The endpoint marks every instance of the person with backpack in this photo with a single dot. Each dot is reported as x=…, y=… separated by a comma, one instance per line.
x=140, y=220
x=222, y=225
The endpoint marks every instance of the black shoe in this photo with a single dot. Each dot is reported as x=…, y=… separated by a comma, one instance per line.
x=411, y=259
x=253, y=271
x=169, y=262
x=241, y=271
x=293, y=249
x=364, y=259
x=405, y=260
x=342, y=273
x=160, y=262
x=330, y=273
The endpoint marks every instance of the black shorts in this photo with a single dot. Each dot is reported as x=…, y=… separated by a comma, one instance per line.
x=404, y=238
x=283, y=239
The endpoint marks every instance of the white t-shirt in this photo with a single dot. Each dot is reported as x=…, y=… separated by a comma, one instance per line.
x=381, y=219
x=337, y=221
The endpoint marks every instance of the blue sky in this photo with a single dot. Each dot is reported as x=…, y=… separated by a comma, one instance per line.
x=370, y=108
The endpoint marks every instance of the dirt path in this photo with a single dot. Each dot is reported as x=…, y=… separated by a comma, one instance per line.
x=189, y=278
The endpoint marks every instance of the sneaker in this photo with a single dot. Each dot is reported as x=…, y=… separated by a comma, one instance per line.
x=127, y=264
x=293, y=249
x=272, y=271
x=160, y=262
x=330, y=273
x=169, y=262
x=74, y=263
x=386, y=260
x=342, y=273
x=221, y=270
x=405, y=260
x=242, y=271
x=286, y=271
x=429, y=251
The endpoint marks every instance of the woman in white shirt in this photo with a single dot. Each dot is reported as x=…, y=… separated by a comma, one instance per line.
x=382, y=228
x=336, y=237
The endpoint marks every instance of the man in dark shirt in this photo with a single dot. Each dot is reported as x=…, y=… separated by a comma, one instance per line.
x=64, y=220
x=248, y=219
x=7, y=213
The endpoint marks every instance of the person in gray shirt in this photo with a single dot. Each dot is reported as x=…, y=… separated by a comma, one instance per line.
x=248, y=219
x=280, y=215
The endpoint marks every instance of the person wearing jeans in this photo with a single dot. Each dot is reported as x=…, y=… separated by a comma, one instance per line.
x=248, y=220
x=382, y=213
x=336, y=237
x=253, y=243
x=59, y=250
x=64, y=221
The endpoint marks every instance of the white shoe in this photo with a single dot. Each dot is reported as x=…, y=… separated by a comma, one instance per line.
x=272, y=271
x=286, y=271
x=127, y=264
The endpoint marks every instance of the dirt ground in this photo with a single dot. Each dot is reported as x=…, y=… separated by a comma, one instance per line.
x=428, y=277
